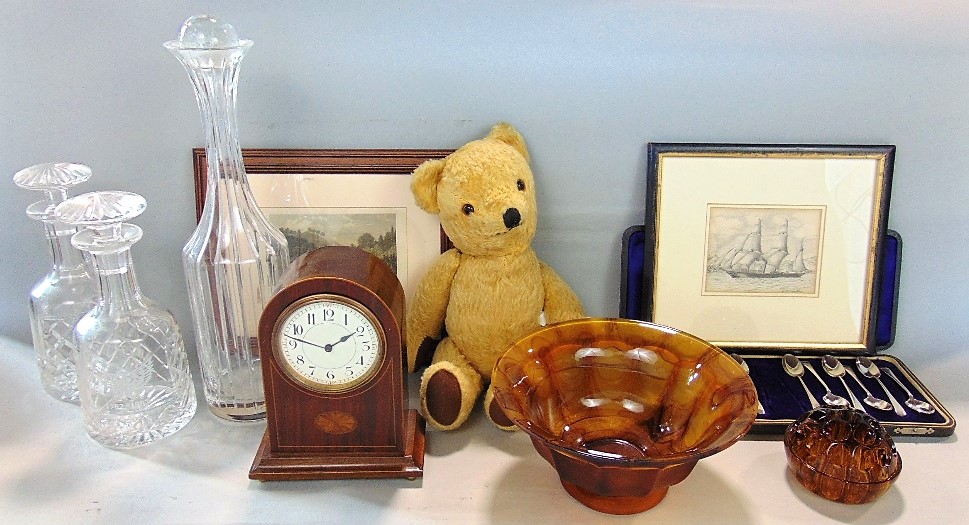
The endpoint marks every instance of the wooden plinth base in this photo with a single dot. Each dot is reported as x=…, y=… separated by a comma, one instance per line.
x=270, y=466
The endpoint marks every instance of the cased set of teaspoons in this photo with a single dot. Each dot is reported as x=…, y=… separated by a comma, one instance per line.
x=880, y=386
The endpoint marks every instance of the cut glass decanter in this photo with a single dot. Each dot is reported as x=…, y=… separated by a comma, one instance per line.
x=68, y=291
x=133, y=374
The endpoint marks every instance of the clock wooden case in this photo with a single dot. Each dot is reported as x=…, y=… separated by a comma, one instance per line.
x=331, y=344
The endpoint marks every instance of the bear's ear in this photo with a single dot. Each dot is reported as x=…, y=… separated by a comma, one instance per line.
x=423, y=184
x=507, y=133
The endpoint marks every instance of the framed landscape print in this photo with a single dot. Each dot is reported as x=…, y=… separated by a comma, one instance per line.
x=359, y=197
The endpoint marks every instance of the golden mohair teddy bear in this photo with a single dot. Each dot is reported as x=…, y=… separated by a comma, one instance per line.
x=491, y=288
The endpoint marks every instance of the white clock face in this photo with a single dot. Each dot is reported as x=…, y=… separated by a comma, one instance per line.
x=329, y=343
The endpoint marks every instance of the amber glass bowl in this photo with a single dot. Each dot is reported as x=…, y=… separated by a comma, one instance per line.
x=842, y=454
x=623, y=409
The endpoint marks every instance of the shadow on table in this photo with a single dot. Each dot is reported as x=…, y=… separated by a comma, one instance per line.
x=207, y=446
x=477, y=429
x=886, y=509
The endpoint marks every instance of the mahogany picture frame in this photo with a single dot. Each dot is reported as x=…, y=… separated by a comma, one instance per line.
x=320, y=161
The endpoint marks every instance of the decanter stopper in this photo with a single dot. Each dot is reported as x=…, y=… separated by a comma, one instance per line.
x=104, y=214
x=53, y=178
x=205, y=42
x=68, y=290
x=207, y=32
x=133, y=377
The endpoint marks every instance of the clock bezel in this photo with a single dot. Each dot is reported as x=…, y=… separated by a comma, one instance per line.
x=328, y=388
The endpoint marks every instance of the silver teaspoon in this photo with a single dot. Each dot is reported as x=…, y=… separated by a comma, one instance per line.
x=829, y=397
x=794, y=368
x=870, y=398
x=834, y=368
x=870, y=370
x=743, y=364
x=917, y=405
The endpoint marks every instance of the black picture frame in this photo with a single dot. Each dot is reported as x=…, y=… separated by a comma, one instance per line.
x=743, y=181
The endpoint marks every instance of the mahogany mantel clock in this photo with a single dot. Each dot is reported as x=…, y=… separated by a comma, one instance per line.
x=332, y=360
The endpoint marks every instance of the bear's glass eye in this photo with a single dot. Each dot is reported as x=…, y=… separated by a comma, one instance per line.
x=521, y=185
x=467, y=209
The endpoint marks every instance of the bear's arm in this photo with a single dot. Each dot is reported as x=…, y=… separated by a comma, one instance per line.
x=425, y=319
x=561, y=303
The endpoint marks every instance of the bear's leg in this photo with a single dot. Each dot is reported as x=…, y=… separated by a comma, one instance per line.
x=449, y=388
x=495, y=413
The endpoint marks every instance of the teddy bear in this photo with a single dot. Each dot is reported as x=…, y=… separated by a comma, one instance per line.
x=491, y=288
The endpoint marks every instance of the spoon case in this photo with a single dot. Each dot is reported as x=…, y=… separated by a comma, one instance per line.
x=782, y=395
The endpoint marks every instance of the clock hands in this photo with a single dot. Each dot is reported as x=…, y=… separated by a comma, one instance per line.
x=342, y=339
x=326, y=347
x=308, y=343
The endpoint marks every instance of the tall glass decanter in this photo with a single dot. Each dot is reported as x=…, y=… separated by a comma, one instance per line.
x=234, y=257
x=133, y=375
x=68, y=291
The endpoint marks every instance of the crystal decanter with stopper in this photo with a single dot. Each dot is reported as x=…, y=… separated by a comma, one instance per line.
x=133, y=375
x=234, y=257
x=68, y=291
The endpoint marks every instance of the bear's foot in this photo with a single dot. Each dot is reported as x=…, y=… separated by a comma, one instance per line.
x=442, y=390
x=496, y=414
x=447, y=395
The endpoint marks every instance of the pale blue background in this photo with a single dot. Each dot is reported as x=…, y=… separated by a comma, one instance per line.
x=587, y=83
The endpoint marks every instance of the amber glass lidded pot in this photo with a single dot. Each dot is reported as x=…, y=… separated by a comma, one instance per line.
x=842, y=454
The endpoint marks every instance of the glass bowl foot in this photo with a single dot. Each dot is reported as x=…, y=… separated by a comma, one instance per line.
x=615, y=504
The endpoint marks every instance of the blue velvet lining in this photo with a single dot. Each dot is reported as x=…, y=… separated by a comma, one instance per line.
x=887, y=295
x=783, y=396
x=633, y=257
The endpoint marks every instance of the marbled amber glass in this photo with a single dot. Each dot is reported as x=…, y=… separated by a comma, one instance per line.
x=597, y=394
x=842, y=454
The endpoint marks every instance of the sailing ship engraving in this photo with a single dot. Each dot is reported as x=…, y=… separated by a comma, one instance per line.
x=748, y=258
x=773, y=251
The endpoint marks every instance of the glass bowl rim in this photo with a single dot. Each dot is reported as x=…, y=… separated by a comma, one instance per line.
x=601, y=460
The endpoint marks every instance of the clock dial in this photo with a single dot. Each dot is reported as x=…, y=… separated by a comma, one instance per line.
x=329, y=343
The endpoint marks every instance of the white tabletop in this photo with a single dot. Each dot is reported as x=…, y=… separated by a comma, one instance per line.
x=51, y=472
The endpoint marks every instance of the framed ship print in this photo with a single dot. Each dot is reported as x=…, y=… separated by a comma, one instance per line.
x=766, y=246
x=344, y=197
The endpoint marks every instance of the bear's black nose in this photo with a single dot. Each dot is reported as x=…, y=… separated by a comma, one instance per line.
x=512, y=218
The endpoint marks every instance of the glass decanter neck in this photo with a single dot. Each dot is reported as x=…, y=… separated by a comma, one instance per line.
x=110, y=248
x=203, y=59
x=65, y=257
x=118, y=285
x=106, y=239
